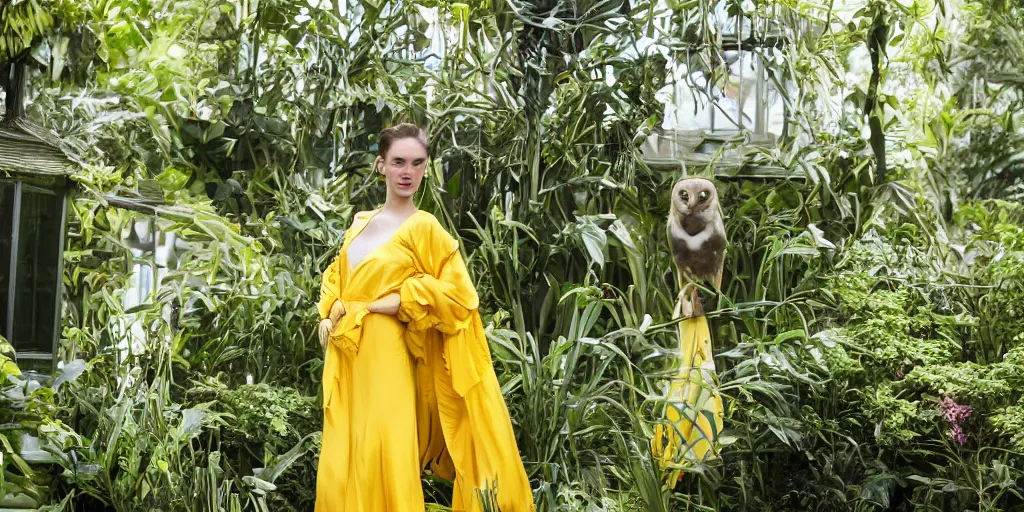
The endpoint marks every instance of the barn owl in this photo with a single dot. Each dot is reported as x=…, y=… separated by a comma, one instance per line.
x=696, y=233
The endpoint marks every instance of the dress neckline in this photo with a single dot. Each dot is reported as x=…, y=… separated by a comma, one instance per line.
x=352, y=269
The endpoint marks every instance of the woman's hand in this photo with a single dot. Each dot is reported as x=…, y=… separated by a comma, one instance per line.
x=324, y=331
x=327, y=324
x=337, y=311
x=386, y=305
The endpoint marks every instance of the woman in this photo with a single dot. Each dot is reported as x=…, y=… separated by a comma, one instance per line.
x=408, y=382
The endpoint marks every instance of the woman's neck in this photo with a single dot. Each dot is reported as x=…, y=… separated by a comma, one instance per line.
x=400, y=206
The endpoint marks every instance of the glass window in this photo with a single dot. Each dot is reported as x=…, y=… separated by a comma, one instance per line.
x=6, y=230
x=742, y=97
x=37, y=279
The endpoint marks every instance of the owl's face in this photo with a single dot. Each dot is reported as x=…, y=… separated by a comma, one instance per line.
x=694, y=196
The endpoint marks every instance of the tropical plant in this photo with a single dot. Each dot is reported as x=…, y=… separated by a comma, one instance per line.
x=868, y=334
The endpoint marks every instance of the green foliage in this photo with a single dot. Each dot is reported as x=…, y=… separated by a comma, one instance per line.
x=855, y=301
x=969, y=381
x=271, y=416
x=1009, y=423
x=23, y=23
x=265, y=424
x=896, y=418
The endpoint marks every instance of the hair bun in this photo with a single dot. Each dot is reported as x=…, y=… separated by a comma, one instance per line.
x=398, y=132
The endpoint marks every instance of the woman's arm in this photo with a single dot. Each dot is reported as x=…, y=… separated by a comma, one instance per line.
x=386, y=305
x=441, y=297
x=441, y=293
x=330, y=307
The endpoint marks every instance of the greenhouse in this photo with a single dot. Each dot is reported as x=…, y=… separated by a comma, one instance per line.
x=516, y=255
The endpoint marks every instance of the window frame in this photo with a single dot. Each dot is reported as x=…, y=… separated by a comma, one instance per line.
x=59, y=190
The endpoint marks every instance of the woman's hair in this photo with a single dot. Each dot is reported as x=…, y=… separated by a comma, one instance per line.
x=398, y=132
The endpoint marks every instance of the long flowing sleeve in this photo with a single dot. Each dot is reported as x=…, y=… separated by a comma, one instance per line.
x=442, y=297
x=330, y=287
x=439, y=302
x=445, y=302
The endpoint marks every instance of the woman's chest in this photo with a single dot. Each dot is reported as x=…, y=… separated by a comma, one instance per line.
x=365, y=245
x=384, y=266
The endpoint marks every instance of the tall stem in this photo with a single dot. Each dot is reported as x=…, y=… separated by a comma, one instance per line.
x=877, y=39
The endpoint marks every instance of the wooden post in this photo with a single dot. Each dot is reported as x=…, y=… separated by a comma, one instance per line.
x=15, y=89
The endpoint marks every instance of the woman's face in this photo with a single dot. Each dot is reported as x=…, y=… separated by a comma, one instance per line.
x=403, y=166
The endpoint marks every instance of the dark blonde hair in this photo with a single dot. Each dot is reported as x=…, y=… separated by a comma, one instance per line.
x=398, y=132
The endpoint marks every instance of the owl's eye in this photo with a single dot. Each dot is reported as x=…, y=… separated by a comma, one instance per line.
x=703, y=196
x=685, y=196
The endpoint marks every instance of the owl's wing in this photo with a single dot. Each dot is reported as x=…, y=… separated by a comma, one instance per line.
x=725, y=249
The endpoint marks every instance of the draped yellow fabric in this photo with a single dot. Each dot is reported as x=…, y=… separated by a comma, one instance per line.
x=413, y=392
x=694, y=408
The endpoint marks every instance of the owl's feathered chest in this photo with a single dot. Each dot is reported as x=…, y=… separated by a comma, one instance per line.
x=697, y=249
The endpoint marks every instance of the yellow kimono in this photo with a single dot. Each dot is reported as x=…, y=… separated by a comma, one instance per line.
x=413, y=392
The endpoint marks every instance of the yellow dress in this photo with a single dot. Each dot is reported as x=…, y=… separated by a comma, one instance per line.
x=694, y=409
x=412, y=392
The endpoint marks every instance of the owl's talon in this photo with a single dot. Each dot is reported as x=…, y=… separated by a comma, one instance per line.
x=685, y=306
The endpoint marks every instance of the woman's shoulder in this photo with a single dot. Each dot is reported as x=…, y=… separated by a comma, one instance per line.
x=425, y=217
x=357, y=219
x=363, y=215
x=427, y=220
x=425, y=226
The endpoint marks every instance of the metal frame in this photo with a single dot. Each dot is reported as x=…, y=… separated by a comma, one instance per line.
x=762, y=38
x=13, y=281
x=20, y=186
x=760, y=99
x=59, y=293
x=763, y=35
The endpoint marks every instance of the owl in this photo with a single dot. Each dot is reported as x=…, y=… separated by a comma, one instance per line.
x=696, y=234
